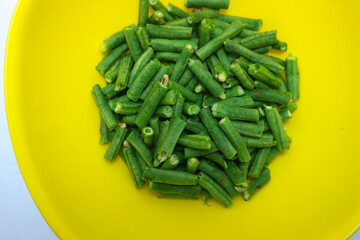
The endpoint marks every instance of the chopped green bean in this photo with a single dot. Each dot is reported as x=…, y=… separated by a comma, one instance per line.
x=178, y=107
x=259, y=142
x=217, y=158
x=143, y=38
x=185, y=77
x=221, y=110
x=274, y=152
x=104, y=139
x=148, y=136
x=177, y=12
x=256, y=184
x=276, y=126
x=110, y=58
x=192, y=84
x=191, y=109
x=164, y=127
x=186, y=93
x=140, y=64
x=275, y=59
x=155, y=125
x=259, y=162
x=182, y=22
x=170, y=163
x=262, y=50
x=170, y=98
x=220, y=53
x=143, y=12
x=129, y=120
x=190, y=152
x=170, y=177
x=116, y=142
x=230, y=82
x=181, y=62
x=282, y=46
x=235, y=91
x=192, y=165
x=217, y=68
x=127, y=107
x=171, y=45
x=237, y=177
x=124, y=70
x=164, y=70
x=205, y=196
x=195, y=126
x=242, y=76
x=156, y=18
x=168, y=32
x=248, y=129
x=259, y=40
x=270, y=95
x=157, y=5
x=176, y=196
x=112, y=73
x=133, y=43
x=292, y=76
x=193, y=191
x=164, y=112
x=252, y=24
x=205, y=31
x=224, y=4
x=195, y=141
x=133, y=164
x=114, y=40
x=196, y=17
x=167, y=56
x=262, y=74
x=109, y=91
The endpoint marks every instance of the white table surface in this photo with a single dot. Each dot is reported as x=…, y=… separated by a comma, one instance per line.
x=19, y=217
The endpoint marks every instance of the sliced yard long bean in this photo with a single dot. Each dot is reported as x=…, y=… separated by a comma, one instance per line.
x=104, y=139
x=157, y=5
x=181, y=62
x=170, y=98
x=133, y=165
x=182, y=22
x=164, y=112
x=148, y=136
x=143, y=12
x=214, y=189
x=259, y=142
x=236, y=91
x=179, y=105
x=259, y=40
x=168, y=32
x=191, y=109
x=140, y=64
x=217, y=158
x=171, y=45
x=221, y=110
x=217, y=68
x=252, y=24
x=205, y=31
x=252, y=56
x=230, y=82
x=219, y=176
x=261, y=85
x=276, y=126
x=292, y=76
x=167, y=188
x=129, y=120
x=176, y=196
x=109, y=91
x=285, y=115
x=192, y=165
x=186, y=93
x=177, y=12
x=244, y=168
x=155, y=126
x=276, y=59
x=115, y=145
x=256, y=184
x=190, y=152
x=124, y=70
x=220, y=53
x=205, y=77
x=164, y=70
x=237, y=177
x=274, y=152
x=224, y=4
x=157, y=17
x=110, y=58
x=170, y=163
x=205, y=196
x=259, y=162
x=196, y=17
x=282, y=46
x=236, y=139
x=244, y=63
x=200, y=99
x=167, y=56
x=151, y=102
x=114, y=40
x=164, y=127
x=262, y=50
x=143, y=38
x=141, y=148
x=195, y=141
x=270, y=95
x=192, y=84
x=248, y=129
x=127, y=107
x=112, y=73
x=244, y=79
x=141, y=162
x=212, y=46
x=195, y=126
x=264, y=75
x=170, y=177
x=132, y=43
x=217, y=134
x=105, y=110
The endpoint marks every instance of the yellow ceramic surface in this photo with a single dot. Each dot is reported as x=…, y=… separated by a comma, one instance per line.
x=52, y=51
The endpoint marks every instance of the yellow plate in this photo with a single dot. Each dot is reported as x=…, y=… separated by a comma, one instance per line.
x=52, y=51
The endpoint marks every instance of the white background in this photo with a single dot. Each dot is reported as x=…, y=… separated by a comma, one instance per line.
x=19, y=216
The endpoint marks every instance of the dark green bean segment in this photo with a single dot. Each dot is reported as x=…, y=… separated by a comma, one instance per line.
x=157, y=17
x=104, y=139
x=186, y=93
x=219, y=176
x=242, y=76
x=217, y=134
x=282, y=46
x=129, y=120
x=181, y=63
x=157, y=5
x=141, y=162
x=140, y=64
x=143, y=12
x=192, y=165
x=259, y=142
x=115, y=145
x=133, y=165
x=183, y=190
x=112, y=102
x=164, y=70
x=261, y=85
x=292, y=76
x=192, y=84
x=205, y=196
x=124, y=70
x=259, y=162
x=236, y=91
x=262, y=50
x=214, y=189
x=212, y=46
x=191, y=109
x=291, y=107
x=223, y=4
x=230, y=82
x=256, y=184
x=170, y=98
x=217, y=68
x=170, y=163
x=224, y=60
x=221, y=24
x=205, y=31
x=252, y=24
x=244, y=168
x=177, y=126
x=177, y=12
x=133, y=43
x=248, y=129
x=170, y=177
x=190, y=152
x=237, y=177
x=276, y=59
x=205, y=77
x=259, y=40
x=164, y=127
x=112, y=73
x=148, y=136
x=270, y=95
x=221, y=110
x=285, y=115
x=105, y=110
x=109, y=91
x=127, y=107
x=217, y=158
x=176, y=196
x=252, y=56
x=168, y=45
x=155, y=125
x=182, y=22
x=168, y=32
x=114, y=40
x=262, y=74
x=186, y=77
x=164, y=112
x=143, y=79
x=276, y=126
x=195, y=141
x=200, y=99
x=196, y=17
x=236, y=139
x=167, y=56
x=274, y=152
x=110, y=58
x=178, y=107
x=151, y=102
x=244, y=63
x=195, y=126
x=141, y=148
x=143, y=38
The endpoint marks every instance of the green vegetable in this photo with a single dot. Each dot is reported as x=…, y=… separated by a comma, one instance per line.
x=156, y=18
x=133, y=43
x=192, y=165
x=116, y=142
x=133, y=164
x=256, y=184
x=168, y=32
x=148, y=136
x=292, y=76
x=177, y=12
x=170, y=177
x=157, y=5
x=192, y=191
x=143, y=12
x=124, y=70
x=195, y=141
x=224, y=4
x=110, y=58
x=141, y=148
x=143, y=38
